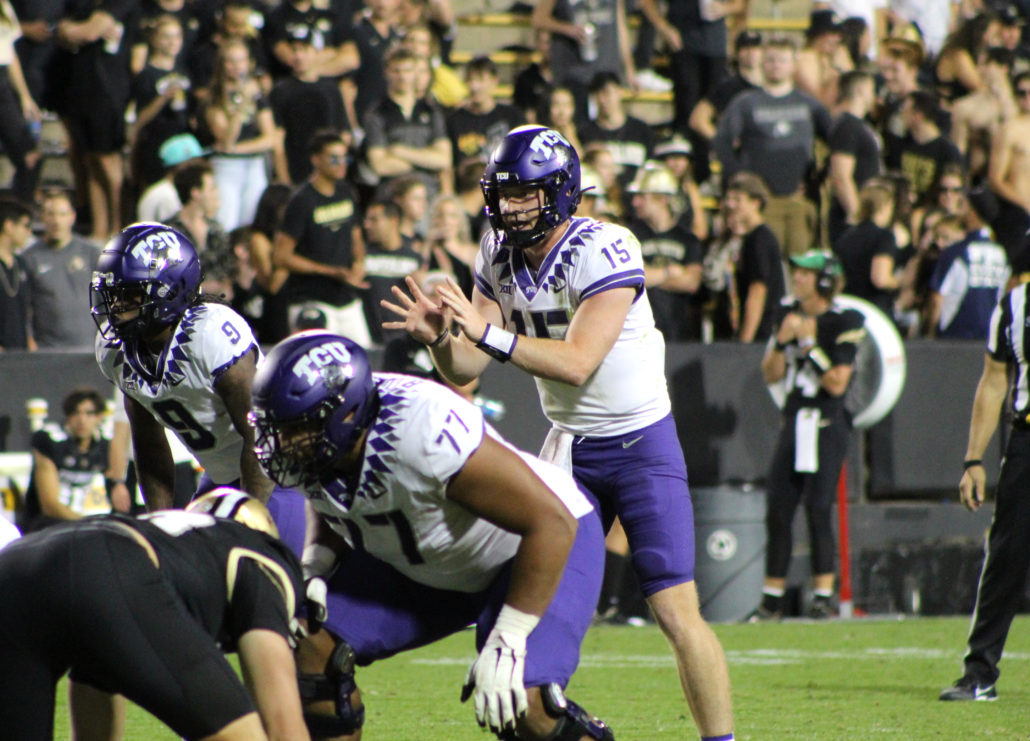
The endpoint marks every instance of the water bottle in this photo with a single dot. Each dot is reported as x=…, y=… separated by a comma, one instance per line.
x=588, y=47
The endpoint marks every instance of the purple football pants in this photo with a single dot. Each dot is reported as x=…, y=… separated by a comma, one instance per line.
x=642, y=477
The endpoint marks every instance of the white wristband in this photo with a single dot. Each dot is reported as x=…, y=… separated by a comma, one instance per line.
x=515, y=622
x=317, y=560
x=497, y=343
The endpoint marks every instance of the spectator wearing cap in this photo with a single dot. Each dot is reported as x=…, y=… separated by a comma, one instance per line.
x=334, y=53
x=955, y=70
x=854, y=150
x=758, y=283
x=975, y=118
x=695, y=31
x=672, y=254
x=901, y=55
x=934, y=19
x=868, y=11
x=159, y=97
x=970, y=276
x=304, y=102
x=1009, y=170
x=677, y=154
x=161, y=201
x=58, y=268
x=1010, y=36
x=926, y=149
x=628, y=138
x=704, y=119
x=772, y=132
x=823, y=58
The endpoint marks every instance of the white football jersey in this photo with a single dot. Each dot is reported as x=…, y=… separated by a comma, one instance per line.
x=397, y=508
x=208, y=340
x=628, y=390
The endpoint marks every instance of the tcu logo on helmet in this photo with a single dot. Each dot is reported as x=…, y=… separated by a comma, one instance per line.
x=545, y=142
x=311, y=364
x=154, y=244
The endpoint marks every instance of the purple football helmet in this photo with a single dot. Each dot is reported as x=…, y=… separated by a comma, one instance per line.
x=533, y=156
x=147, y=266
x=313, y=398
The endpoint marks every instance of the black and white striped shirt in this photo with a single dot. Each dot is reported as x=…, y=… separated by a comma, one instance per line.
x=1007, y=342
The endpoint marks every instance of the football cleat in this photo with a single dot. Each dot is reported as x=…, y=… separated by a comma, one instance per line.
x=968, y=689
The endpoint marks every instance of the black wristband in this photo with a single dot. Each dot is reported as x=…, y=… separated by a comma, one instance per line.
x=440, y=338
x=966, y=465
x=780, y=346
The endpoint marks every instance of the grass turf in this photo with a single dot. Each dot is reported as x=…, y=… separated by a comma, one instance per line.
x=861, y=679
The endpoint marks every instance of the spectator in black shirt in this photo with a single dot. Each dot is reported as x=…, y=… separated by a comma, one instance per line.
x=868, y=250
x=151, y=14
x=235, y=21
x=303, y=103
x=69, y=466
x=15, y=232
x=533, y=84
x=758, y=276
x=854, y=149
x=335, y=53
x=319, y=242
x=159, y=93
x=672, y=254
x=375, y=33
x=629, y=139
x=389, y=259
x=926, y=149
x=704, y=119
x=481, y=122
x=98, y=38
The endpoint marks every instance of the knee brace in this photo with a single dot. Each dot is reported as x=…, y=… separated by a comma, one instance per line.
x=573, y=721
x=336, y=684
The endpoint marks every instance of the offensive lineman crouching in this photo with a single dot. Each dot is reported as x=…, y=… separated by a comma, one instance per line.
x=428, y=521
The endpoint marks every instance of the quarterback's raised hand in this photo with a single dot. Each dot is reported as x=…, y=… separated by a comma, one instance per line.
x=471, y=321
x=495, y=677
x=424, y=320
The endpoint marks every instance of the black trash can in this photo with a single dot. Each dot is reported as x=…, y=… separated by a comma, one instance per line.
x=729, y=543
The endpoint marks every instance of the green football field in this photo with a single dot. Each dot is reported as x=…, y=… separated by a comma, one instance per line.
x=860, y=679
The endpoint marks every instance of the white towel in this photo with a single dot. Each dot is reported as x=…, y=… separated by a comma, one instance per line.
x=806, y=441
x=557, y=449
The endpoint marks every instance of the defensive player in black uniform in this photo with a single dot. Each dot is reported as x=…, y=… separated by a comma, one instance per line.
x=144, y=607
x=813, y=351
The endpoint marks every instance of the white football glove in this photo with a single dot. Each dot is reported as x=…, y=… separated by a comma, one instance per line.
x=495, y=677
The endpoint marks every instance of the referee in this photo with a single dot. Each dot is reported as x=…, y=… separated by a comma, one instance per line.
x=1007, y=556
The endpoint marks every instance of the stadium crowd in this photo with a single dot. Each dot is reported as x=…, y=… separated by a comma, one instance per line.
x=892, y=147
